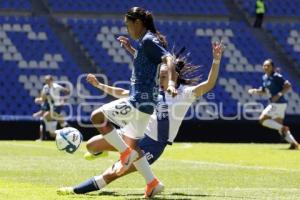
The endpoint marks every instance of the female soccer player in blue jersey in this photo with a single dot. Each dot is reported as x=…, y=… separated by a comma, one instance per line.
x=163, y=125
x=273, y=115
x=133, y=113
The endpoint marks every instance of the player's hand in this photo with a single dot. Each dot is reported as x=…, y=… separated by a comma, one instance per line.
x=38, y=100
x=252, y=91
x=275, y=98
x=172, y=91
x=91, y=78
x=218, y=49
x=124, y=42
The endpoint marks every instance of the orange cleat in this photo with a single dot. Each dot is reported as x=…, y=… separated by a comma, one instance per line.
x=126, y=159
x=153, y=188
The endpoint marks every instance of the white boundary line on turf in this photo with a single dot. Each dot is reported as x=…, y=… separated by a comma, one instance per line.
x=38, y=145
x=228, y=165
x=185, y=145
x=205, y=189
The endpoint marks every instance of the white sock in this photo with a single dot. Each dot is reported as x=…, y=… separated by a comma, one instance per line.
x=100, y=182
x=289, y=138
x=272, y=124
x=115, y=140
x=144, y=169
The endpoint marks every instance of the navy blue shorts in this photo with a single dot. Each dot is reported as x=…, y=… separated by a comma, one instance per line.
x=57, y=109
x=152, y=149
x=45, y=106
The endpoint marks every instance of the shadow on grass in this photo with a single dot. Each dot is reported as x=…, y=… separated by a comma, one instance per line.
x=164, y=196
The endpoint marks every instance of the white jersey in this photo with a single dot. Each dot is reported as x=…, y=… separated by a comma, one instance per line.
x=53, y=94
x=169, y=113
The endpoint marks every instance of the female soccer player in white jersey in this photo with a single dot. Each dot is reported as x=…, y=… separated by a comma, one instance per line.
x=51, y=104
x=133, y=113
x=273, y=115
x=163, y=125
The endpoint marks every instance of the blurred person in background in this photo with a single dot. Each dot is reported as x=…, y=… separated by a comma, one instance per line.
x=260, y=9
x=273, y=115
x=51, y=103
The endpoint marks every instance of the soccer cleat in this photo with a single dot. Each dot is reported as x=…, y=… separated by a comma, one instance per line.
x=153, y=188
x=65, y=191
x=294, y=146
x=90, y=156
x=126, y=159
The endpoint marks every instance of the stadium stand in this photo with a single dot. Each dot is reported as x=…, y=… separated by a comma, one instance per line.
x=242, y=62
x=187, y=7
x=275, y=8
x=288, y=37
x=15, y=4
x=30, y=49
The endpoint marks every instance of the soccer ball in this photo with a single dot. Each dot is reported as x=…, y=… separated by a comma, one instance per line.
x=68, y=139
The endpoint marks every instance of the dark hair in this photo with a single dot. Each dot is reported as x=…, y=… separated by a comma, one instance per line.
x=188, y=74
x=275, y=69
x=147, y=19
x=271, y=61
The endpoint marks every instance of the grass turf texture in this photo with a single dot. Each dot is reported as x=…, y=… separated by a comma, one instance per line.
x=34, y=170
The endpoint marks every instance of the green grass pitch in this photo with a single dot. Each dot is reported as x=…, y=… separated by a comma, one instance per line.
x=34, y=170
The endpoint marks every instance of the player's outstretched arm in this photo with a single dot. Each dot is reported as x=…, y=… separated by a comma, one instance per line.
x=169, y=61
x=65, y=90
x=286, y=87
x=259, y=91
x=38, y=100
x=205, y=86
x=126, y=44
x=113, y=91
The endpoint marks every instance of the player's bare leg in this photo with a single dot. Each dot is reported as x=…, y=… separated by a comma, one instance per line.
x=277, y=124
x=287, y=135
x=128, y=155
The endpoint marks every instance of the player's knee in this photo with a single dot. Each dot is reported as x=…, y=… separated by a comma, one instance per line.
x=97, y=117
x=91, y=147
x=47, y=116
x=262, y=119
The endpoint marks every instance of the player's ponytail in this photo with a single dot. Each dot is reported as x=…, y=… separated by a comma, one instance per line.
x=188, y=74
x=149, y=24
x=147, y=19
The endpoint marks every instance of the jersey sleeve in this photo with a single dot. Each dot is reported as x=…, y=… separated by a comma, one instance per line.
x=154, y=51
x=59, y=87
x=263, y=87
x=45, y=90
x=279, y=79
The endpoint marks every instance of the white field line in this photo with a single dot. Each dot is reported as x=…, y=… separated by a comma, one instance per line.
x=39, y=145
x=186, y=145
x=229, y=165
x=208, y=189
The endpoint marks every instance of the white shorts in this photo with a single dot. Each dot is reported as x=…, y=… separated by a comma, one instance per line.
x=275, y=110
x=122, y=113
x=50, y=126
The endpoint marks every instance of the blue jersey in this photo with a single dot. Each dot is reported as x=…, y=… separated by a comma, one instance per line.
x=274, y=83
x=144, y=79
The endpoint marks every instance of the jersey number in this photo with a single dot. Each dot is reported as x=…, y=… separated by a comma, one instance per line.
x=122, y=108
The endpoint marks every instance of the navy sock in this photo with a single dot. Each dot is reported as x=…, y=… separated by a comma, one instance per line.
x=87, y=186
